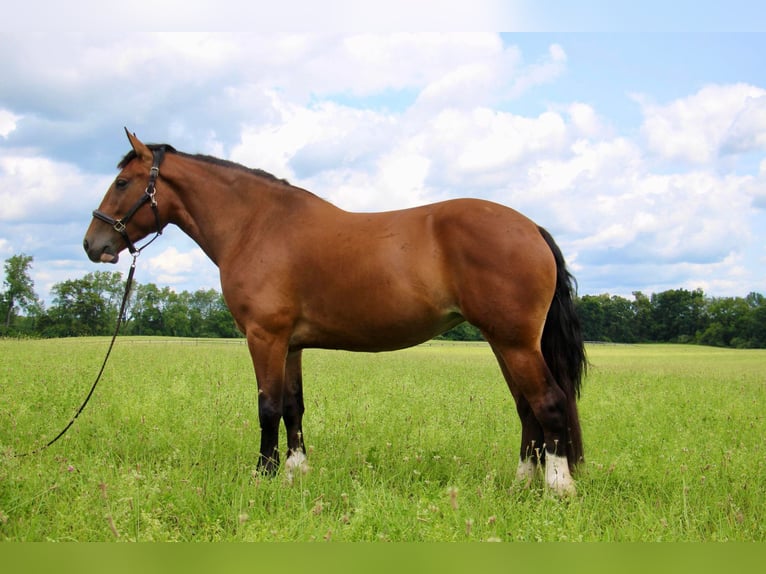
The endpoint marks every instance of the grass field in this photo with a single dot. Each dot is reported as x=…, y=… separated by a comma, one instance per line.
x=419, y=445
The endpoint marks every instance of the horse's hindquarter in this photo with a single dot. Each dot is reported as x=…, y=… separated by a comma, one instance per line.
x=504, y=270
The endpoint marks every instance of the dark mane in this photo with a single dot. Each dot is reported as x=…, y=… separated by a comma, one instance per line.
x=131, y=155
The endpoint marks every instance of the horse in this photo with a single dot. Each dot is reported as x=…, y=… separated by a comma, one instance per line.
x=298, y=272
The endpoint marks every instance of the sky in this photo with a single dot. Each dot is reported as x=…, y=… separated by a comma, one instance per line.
x=638, y=137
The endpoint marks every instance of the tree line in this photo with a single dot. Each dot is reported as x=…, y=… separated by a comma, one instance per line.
x=89, y=306
x=673, y=316
x=676, y=316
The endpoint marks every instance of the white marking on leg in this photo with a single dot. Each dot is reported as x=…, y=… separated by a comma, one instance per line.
x=296, y=463
x=557, y=475
x=525, y=472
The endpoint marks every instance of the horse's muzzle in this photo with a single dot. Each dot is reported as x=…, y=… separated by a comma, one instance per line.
x=103, y=255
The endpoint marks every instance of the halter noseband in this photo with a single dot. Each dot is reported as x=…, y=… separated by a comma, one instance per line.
x=119, y=225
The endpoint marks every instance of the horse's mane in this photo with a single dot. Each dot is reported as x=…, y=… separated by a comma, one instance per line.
x=131, y=155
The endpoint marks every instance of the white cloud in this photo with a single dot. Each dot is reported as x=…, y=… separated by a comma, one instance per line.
x=695, y=128
x=43, y=190
x=541, y=73
x=756, y=187
x=564, y=168
x=586, y=121
x=175, y=268
x=8, y=122
x=748, y=130
x=694, y=217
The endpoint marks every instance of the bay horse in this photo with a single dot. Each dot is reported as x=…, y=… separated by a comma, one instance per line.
x=298, y=272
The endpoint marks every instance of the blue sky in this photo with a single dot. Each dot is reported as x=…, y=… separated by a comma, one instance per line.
x=643, y=152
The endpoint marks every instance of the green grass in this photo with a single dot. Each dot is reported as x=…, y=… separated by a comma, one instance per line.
x=419, y=445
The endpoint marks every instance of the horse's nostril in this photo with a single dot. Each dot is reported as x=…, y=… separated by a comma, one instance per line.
x=85, y=244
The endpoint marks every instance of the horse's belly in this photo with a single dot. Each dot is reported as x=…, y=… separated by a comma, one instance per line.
x=373, y=332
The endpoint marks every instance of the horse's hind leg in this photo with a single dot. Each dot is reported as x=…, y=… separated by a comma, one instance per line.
x=536, y=392
x=531, y=451
x=293, y=409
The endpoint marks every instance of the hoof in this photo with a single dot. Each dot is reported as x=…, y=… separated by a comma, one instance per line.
x=525, y=472
x=296, y=464
x=557, y=476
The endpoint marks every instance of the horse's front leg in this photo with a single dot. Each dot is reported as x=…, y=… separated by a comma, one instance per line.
x=293, y=409
x=269, y=357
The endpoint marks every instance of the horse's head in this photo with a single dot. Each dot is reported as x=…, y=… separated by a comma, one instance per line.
x=129, y=211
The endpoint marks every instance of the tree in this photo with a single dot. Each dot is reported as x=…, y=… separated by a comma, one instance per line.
x=176, y=319
x=756, y=321
x=728, y=322
x=462, y=332
x=83, y=307
x=209, y=315
x=590, y=308
x=146, y=316
x=677, y=315
x=642, y=311
x=19, y=288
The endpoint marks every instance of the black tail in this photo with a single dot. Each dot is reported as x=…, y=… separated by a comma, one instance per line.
x=563, y=347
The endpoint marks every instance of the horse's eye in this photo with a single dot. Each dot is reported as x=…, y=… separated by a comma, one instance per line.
x=121, y=183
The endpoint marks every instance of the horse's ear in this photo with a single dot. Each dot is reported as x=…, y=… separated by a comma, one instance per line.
x=140, y=148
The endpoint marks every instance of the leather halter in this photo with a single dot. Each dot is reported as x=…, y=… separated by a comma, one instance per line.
x=119, y=225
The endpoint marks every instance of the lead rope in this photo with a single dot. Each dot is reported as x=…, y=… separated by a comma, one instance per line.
x=125, y=297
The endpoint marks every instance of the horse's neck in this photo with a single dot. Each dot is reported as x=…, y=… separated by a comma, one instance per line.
x=215, y=210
